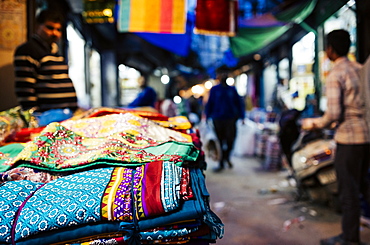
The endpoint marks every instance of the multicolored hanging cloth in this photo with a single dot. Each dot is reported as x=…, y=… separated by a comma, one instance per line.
x=216, y=17
x=155, y=16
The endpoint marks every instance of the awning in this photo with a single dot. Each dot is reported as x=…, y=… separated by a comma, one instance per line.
x=261, y=31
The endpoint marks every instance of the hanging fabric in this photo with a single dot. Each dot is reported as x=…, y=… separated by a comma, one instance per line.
x=216, y=17
x=153, y=16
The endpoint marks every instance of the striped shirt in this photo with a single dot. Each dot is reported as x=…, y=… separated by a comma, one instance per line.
x=41, y=78
x=345, y=104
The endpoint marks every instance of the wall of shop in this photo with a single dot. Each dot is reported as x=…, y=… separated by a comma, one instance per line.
x=13, y=31
x=363, y=36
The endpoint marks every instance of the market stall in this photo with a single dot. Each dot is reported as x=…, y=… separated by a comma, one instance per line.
x=107, y=176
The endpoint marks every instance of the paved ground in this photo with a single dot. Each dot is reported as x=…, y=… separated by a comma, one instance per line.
x=257, y=207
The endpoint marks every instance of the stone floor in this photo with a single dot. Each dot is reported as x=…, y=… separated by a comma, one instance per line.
x=258, y=207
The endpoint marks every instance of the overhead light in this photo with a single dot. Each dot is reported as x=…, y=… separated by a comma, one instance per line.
x=197, y=89
x=122, y=67
x=230, y=81
x=165, y=79
x=257, y=56
x=177, y=99
x=107, y=12
x=157, y=72
x=208, y=84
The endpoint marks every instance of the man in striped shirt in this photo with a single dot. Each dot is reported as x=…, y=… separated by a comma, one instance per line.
x=346, y=108
x=41, y=74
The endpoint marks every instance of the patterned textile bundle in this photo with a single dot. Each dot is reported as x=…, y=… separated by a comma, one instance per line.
x=122, y=139
x=105, y=202
x=114, y=179
x=12, y=120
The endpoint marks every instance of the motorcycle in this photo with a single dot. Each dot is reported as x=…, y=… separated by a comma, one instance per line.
x=311, y=161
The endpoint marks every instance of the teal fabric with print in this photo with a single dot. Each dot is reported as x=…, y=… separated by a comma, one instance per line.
x=163, y=234
x=66, y=202
x=12, y=195
x=171, y=189
x=186, y=150
x=70, y=208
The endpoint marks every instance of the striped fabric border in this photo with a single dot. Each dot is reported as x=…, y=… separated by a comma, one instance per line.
x=154, y=16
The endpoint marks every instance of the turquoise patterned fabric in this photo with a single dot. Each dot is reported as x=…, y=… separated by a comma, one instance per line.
x=171, y=189
x=70, y=207
x=68, y=201
x=12, y=195
x=163, y=234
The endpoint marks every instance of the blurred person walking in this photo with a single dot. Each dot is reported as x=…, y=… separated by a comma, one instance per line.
x=224, y=107
x=346, y=108
x=147, y=96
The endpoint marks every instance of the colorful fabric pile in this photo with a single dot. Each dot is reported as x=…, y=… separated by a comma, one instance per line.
x=118, y=178
x=12, y=121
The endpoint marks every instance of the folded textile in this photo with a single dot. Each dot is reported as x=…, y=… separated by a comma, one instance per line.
x=103, y=111
x=24, y=135
x=8, y=153
x=12, y=196
x=60, y=149
x=114, y=123
x=13, y=120
x=102, y=201
x=183, y=233
x=117, y=178
x=178, y=122
x=24, y=173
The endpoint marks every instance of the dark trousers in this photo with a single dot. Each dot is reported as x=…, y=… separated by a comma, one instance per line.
x=225, y=130
x=352, y=164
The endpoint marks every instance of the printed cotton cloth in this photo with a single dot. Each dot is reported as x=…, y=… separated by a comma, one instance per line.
x=60, y=149
x=127, y=200
x=112, y=179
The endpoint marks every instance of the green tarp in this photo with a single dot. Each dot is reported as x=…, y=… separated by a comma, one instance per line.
x=251, y=39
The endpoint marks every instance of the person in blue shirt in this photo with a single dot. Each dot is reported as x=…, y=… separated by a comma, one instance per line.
x=147, y=95
x=224, y=107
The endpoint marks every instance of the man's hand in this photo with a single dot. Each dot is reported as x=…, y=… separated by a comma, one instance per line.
x=308, y=123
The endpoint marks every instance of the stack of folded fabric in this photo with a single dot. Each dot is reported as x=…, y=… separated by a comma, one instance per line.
x=107, y=178
x=13, y=120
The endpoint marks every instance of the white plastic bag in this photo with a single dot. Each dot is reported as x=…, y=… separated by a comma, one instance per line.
x=210, y=144
x=244, y=144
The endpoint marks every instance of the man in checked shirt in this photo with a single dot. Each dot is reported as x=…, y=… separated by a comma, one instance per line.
x=345, y=108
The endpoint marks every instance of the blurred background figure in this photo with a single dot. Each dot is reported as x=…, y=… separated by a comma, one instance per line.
x=147, y=97
x=41, y=73
x=224, y=107
x=168, y=108
x=289, y=131
x=310, y=106
x=195, y=109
